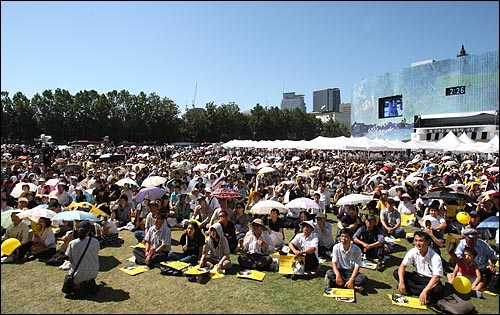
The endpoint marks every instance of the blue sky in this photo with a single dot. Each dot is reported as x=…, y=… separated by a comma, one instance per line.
x=243, y=52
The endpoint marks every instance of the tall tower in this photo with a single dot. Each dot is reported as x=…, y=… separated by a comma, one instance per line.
x=462, y=52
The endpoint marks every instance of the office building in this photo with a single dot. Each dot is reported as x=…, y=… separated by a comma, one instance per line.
x=327, y=100
x=291, y=101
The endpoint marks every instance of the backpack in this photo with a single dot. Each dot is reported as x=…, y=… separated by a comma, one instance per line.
x=453, y=304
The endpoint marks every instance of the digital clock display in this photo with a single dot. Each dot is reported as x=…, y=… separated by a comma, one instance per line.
x=456, y=90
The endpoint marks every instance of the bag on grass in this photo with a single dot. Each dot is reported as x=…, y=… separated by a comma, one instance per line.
x=453, y=304
x=68, y=284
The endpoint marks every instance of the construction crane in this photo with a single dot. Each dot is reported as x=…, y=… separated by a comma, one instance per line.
x=195, y=89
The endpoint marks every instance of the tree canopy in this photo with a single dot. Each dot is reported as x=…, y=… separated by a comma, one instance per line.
x=149, y=118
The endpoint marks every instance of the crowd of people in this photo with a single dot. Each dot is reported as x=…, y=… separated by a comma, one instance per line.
x=398, y=185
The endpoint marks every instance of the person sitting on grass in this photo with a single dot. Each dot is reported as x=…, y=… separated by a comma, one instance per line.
x=346, y=264
x=42, y=245
x=390, y=219
x=276, y=228
x=485, y=258
x=109, y=232
x=425, y=281
x=216, y=251
x=350, y=221
x=324, y=230
x=241, y=220
x=229, y=230
x=257, y=245
x=158, y=243
x=306, y=243
x=192, y=242
x=18, y=230
x=370, y=240
x=467, y=267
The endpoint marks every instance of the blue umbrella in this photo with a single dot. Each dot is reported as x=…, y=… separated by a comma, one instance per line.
x=427, y=169
x=75, y=215
x=489, y=223
x=87, y=196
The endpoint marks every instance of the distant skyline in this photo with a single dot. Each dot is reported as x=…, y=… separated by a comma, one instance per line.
x=244, y=52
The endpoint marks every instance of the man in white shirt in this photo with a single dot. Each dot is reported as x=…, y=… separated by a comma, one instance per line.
x=425, y=281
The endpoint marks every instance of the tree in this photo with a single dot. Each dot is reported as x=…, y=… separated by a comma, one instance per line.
x=332, y=128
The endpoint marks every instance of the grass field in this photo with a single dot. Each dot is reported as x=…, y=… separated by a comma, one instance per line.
x=34, y=287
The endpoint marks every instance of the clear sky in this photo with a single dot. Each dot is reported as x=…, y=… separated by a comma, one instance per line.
x=244, y=52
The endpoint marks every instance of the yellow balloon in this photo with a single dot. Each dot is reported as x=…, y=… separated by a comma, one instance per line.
x=463, y=217
x=10, y=245
x=462, y=285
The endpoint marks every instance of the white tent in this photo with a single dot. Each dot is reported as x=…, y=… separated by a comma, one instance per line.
x=465, y=139
x=450, y=142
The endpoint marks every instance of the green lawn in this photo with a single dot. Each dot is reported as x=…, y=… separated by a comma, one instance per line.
x=34, y=287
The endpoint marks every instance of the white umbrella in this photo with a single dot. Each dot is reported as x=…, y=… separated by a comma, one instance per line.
x=455, y=186
x=375, y=177
x=201, y=167
x=267, y=169
x=468, y=162
x=36, y=213
x=262, y=165
x=353, y=199
x=18, y=189
x=393, y=190
x=265, y=207
x=303, y=203
x=295, y=158
x=450, y=163
x=194, y=181
x=314, y=168
x=154, y=181
x=52, y=181
x=446, y=157
x=7, y=217
x=126, y=180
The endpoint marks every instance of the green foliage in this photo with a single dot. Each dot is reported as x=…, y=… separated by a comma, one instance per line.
x=332, y=128
x=139, y=118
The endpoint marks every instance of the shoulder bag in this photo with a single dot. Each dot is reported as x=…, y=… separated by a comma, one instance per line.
x=69, y=284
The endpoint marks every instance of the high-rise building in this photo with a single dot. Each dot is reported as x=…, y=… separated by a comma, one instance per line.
x=327, y=100
x=291, y=101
